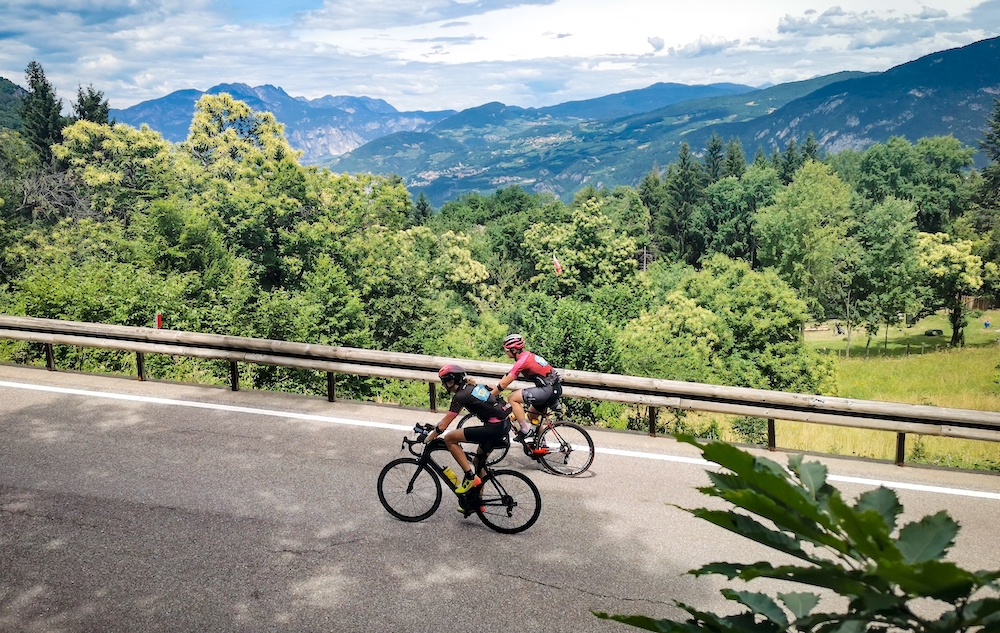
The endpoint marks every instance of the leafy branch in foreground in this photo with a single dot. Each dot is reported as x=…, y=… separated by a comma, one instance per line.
x=854, y=551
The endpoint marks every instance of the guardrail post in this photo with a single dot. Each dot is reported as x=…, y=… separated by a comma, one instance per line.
x=234, y=376
x=771, y=440
x=652, y=421
x=900, y=449
x=140, y=365
x=432, y=392
x=331, y=386
x=50, y=357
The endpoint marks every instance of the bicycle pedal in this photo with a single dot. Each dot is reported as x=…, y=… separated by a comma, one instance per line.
x=540, y=451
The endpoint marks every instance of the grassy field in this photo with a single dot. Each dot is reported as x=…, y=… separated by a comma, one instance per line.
x=903, y=341
x=932, y=374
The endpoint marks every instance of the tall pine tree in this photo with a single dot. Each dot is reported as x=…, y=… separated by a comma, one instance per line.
x=41, y=113
x=685, y=186
x=989, y=193
x=714, y=158
x=90, y=105
x=810, y=148
x=736, y=162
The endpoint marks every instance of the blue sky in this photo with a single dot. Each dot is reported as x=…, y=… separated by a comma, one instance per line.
x=453, y=54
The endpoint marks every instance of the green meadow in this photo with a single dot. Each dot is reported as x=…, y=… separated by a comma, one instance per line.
x=909, y=366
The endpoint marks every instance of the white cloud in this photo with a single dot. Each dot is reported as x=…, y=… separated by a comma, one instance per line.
x=434, y=54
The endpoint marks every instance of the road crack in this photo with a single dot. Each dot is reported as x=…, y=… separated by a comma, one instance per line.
x=584, y=591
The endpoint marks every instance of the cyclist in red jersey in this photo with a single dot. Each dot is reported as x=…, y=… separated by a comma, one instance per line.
x=530, y=366
x=488, y=407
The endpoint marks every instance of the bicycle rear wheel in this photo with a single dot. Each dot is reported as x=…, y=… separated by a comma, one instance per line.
x=564, y=448
x=499, y=451
x=508, y=502
x=408, y=490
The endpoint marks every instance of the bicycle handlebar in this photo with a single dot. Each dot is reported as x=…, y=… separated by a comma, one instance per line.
x=422, y=431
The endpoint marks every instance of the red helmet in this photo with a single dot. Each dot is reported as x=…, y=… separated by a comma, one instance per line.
x=451, y=375
x=514, y=342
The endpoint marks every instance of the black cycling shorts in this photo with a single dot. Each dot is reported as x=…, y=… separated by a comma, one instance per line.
x=541, y=397
x=488, y=436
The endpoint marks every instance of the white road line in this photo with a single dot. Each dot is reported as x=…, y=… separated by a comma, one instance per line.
x=399, y=427
x=205, y=405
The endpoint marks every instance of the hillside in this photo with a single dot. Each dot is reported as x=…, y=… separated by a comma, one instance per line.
x=331, y=126
x=321, y=128
x=10, y=100
x=949, y=92
x=495, y=145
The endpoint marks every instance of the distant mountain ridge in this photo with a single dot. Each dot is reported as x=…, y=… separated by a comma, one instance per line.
x=321, y=128
x=948, y=92
x=333, y=125
x=495, y=145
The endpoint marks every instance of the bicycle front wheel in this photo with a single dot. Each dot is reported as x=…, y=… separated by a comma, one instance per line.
x=508, y=502
x=565, y=448
x=408, y=490
x=497, y=454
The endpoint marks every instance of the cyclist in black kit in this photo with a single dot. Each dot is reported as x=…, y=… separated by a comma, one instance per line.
x=491, y=409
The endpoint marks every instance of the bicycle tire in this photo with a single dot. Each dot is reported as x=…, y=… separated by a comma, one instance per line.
x=499, y=451
x=408, y=490
x=508, y=501
x=564, y=448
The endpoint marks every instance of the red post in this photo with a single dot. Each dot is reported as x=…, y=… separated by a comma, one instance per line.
x=159, y=320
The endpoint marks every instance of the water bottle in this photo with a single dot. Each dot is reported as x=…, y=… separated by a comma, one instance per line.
x=452, y=477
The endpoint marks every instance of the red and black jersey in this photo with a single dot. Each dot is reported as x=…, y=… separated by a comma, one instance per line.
x=534, y=368
x=480, y=402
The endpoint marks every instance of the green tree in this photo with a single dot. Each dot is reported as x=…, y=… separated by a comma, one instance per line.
x=989, y=189
x=91, y=105
x=810, y=148
x=678, y=340
x=789, y=161
x=422, y=211
x=766, y=319
x=736, y=162
x=591, y=251
x=122, y=167
x=952, y=272
x=684, y=185
x=887, y=275
x=799, y=233
x=17, y=161
x=229, y=139
x=878, y=569
x=41, y=113
x=715, y=159
x=724, y=224
x=930, y=174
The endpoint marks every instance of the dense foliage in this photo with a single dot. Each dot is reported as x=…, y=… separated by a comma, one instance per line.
x=891, y=577
x=706, y=271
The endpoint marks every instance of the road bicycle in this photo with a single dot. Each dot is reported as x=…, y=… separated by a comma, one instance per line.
x=561, y=447
x=410, y=488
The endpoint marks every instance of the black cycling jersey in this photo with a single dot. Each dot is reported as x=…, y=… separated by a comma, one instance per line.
x=479, y=401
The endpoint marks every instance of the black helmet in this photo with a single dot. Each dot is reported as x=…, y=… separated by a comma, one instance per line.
x=514, y=342
x=451, y=375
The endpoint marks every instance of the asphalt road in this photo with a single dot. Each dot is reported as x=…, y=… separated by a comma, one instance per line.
x=145, y=506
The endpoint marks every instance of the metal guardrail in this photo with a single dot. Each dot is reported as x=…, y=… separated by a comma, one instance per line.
x=652, y=392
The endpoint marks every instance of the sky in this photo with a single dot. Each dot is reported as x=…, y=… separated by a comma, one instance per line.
x=455, y=54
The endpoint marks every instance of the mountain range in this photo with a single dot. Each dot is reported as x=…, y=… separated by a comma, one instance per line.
x=330, y=126
x=948, y=92
x=320, y=128
x=610, y=140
